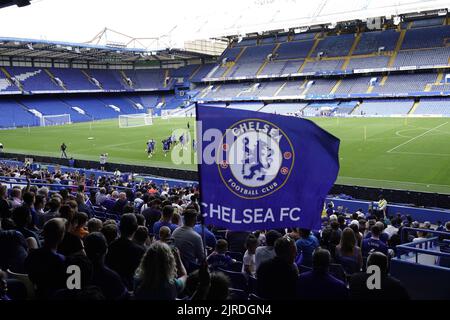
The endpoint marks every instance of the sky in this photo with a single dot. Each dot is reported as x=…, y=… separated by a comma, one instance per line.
x=179, y=20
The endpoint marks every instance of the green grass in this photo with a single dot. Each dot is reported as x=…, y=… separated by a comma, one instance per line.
x=410, y=154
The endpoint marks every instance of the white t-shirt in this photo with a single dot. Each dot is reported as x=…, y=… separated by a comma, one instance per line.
x=249, y=260
x=263, y=254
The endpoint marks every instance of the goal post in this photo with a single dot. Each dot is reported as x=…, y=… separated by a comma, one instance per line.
x=55, y=120
x=135, y=120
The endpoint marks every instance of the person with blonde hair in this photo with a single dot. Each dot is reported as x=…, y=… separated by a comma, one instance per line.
x=161, y=274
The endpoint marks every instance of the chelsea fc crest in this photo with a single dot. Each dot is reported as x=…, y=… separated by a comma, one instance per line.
x=256, y=158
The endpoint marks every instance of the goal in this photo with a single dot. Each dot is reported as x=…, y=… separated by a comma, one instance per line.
x=135, y=120
x=55, y=120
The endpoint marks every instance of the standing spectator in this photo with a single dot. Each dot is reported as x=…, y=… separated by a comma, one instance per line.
x=248, y=263
x=124, y=255
x=266, y=252
x=374, y=243
x=382, y=208
x=305, y=247
x=277, y=277
x=189, y=242
x=166, y=220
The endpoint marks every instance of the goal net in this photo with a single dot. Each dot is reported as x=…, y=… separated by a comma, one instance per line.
x=55, y=120
x=135, y=120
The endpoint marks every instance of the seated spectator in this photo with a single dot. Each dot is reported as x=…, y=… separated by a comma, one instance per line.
x=348, y=254
x=86, y=291
x=141, y=237
x=277, y=277
x=248, y=262
x=267, y=252
x=110, y=231
x=39, y=204
x=161, y=274
x=166, y=220
x=22, y=219
x=139, y=217
x=383, y=235
x=305, y=247
x=319, y=283
x=100, y=196
x=16, y=197
x=374, y=243
x=109, y=202
x=218, y=288
x=94, y=225
x=71, y=244
x=13, y=250
x=103, y=277
x=80, y=229
x=189, y=242
x=165, y=235
x=390, y=288
x=119, y=205
x=152, y=213
x=5, y=206
x=123, y=254
x=82, y=206
x=218, y=258
x=46, y=268
x=53, y=212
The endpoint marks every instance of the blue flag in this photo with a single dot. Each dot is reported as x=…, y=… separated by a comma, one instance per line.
x=263, y=171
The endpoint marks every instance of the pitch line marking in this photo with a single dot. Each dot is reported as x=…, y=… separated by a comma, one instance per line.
x=416, y=137
x=423, y=153
x=396, y=181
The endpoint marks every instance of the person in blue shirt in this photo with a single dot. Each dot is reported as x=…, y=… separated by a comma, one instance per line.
x=150, y=147
x=374, y=243
x=383, y=235
x=210, y=238
x=305, y=247
x=166, y=146
x=219, y=258
x=166, y=220
x=319, y=283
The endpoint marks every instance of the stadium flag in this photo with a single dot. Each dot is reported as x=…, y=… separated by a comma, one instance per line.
x=262, y=171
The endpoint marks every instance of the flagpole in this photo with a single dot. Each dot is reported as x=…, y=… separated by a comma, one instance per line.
x=200, y=154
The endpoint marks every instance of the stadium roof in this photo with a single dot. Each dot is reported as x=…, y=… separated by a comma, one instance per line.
x=33, y=48
x=19, y=3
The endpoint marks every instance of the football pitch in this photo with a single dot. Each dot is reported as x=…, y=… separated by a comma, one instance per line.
x=398, y=153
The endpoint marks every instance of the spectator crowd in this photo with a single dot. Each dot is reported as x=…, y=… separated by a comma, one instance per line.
x=143, y=241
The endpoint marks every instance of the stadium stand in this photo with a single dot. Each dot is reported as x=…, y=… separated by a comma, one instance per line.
x=73, y=79
x=382, y=107
x=434, y=107
x=33, y=79
x=15, y=115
